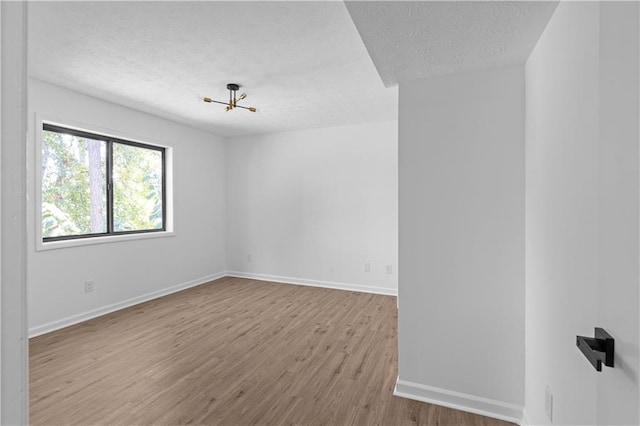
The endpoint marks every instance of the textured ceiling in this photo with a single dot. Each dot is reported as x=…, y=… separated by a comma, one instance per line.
x=418, y=39
x=302, y=64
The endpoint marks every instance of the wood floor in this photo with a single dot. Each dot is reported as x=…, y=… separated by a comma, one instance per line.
x=231, y=352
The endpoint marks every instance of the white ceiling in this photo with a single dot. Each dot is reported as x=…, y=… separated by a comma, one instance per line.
x=419, y=39
x=302, y=64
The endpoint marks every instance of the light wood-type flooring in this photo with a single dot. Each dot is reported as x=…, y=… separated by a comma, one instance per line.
x=231, y=352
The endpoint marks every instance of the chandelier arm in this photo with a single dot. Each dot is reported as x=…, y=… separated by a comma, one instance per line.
x=218, y=102
x=241, y=98
x=244, y=107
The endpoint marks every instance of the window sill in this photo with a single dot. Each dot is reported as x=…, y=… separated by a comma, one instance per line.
x=54, y=245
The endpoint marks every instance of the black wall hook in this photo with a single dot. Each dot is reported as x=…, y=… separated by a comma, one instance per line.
x=598, y=350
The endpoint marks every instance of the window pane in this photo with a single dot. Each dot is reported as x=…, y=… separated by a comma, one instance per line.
x=74, y=190
x=137, y=188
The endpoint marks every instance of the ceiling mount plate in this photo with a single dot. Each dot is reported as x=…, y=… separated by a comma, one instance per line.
x=233, y=86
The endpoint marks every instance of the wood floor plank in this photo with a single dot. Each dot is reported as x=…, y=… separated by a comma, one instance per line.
x=231, y=352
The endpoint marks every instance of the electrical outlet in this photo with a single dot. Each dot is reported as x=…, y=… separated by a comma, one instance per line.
x=248, y=258
x=367, y=266
x=548, y=403
x=88, y=286
x=389, y=269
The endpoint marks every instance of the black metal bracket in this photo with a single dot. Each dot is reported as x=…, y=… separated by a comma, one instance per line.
x=597, y=350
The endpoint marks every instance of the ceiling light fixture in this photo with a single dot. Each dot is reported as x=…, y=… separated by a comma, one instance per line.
x=233, y=100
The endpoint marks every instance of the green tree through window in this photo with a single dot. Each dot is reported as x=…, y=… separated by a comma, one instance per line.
x=137, y=188
x=95, y=185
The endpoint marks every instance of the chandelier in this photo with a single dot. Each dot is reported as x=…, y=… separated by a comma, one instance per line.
x=233, y=99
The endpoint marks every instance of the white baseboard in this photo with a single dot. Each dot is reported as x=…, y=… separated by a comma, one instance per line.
x=459, y=401
x=525, y=421
x=75, y=319
x=315, y=283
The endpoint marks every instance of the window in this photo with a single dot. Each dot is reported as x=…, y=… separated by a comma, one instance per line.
x=94, y=185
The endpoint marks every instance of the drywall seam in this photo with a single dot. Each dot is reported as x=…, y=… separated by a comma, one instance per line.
x=314, y=283
x=459, y=401
x=78, y=318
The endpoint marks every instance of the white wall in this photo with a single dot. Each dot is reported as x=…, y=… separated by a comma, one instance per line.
x=582, y=213
x=562, y=214
x=13, y=354
x=313, y=206
x=125, y=271
x=461, y=288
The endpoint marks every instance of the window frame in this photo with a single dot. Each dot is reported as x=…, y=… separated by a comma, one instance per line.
x=109, y=140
